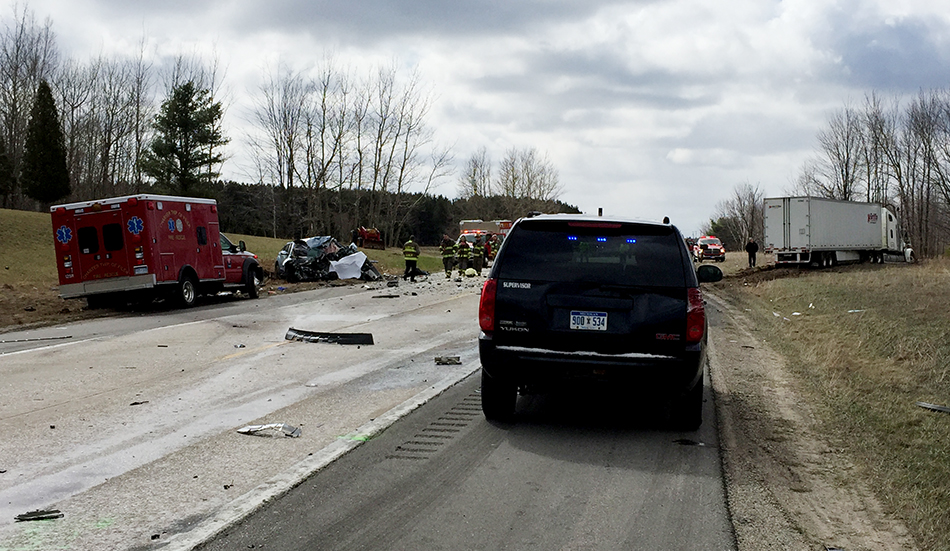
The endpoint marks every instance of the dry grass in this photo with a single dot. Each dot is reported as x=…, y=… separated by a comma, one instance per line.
x=26, y=249
x=869, y=342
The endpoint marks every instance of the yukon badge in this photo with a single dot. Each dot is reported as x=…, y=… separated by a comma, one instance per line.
x=513, y=326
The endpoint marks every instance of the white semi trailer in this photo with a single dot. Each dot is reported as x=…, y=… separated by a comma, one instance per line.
x=825, y=232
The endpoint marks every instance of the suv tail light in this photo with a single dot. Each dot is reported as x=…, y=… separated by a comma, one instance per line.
x=695, y=316
x=486, y=306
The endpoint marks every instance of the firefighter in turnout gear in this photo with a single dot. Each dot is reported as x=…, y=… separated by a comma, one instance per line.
x=410, y=251
x=465, y=252
x=478, y=255
x=448, y=250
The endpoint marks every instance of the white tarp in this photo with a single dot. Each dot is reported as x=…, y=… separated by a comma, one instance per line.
x=350, y=266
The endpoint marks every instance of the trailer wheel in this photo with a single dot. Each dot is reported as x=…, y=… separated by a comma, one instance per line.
x=187, y=291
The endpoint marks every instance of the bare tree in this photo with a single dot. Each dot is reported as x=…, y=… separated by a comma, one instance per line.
x=528, y=181
x=746, y=209
x=840, y=162
x=279, y=117
x=476, y=181
x=28, y=55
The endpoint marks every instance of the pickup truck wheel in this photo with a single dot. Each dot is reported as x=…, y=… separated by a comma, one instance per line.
x=253, y=282
x=187, y=291
x=498, y=398
x=687, y=413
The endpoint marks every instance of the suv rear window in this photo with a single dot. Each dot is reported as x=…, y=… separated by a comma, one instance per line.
x=594, y=252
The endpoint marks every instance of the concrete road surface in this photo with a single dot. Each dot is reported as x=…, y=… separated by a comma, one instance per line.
x=128, y=425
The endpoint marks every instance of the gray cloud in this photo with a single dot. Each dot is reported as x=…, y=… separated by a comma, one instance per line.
x=658, y=106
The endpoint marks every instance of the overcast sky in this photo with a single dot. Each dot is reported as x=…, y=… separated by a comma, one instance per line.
x=646, y=108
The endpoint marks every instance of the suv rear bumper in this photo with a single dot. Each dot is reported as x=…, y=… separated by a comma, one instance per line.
x=535, y=367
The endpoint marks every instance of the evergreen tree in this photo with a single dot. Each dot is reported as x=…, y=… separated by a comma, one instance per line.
x=45, y=176
x=184, y=152
x=7, y=177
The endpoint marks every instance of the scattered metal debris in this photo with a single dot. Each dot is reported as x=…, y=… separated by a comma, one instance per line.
x=934, y=407
x=448, y=360
x=139, y=403
x=288, y=430
x=385, y=296
x=239, y=345
x=393, y=283
x=40, y=515
x=335, y=338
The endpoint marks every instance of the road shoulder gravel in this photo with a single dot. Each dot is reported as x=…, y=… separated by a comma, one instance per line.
x=787, y=486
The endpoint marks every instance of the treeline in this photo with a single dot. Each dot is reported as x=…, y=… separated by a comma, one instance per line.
x=327, y=149
x=275, y=211
x=893, y=151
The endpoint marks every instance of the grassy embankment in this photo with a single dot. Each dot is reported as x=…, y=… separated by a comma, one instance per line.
x=869, y=342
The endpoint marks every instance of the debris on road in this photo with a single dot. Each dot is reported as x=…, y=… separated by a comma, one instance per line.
x=334, y=338
x=385, y=296
x=139, y=403
x=448, y=360
x=934, y=407
x=40, y=515
x=288, y=430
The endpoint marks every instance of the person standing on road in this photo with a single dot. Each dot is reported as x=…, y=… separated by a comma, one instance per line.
x=465, y=252
x=448, y=249
x=410, y=251
x=752, y=247
x=478, y=255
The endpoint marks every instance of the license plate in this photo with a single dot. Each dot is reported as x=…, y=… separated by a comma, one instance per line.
x=589, y=321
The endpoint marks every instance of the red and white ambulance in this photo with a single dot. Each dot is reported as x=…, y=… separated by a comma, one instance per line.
x=148, y=246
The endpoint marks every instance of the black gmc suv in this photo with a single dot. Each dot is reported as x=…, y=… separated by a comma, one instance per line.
x=573, y=298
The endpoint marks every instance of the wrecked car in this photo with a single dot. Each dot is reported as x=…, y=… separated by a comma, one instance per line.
x=323, y=258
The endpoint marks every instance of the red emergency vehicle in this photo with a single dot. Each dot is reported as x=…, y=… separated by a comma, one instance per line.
x=149, y=245
x=709, y=247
